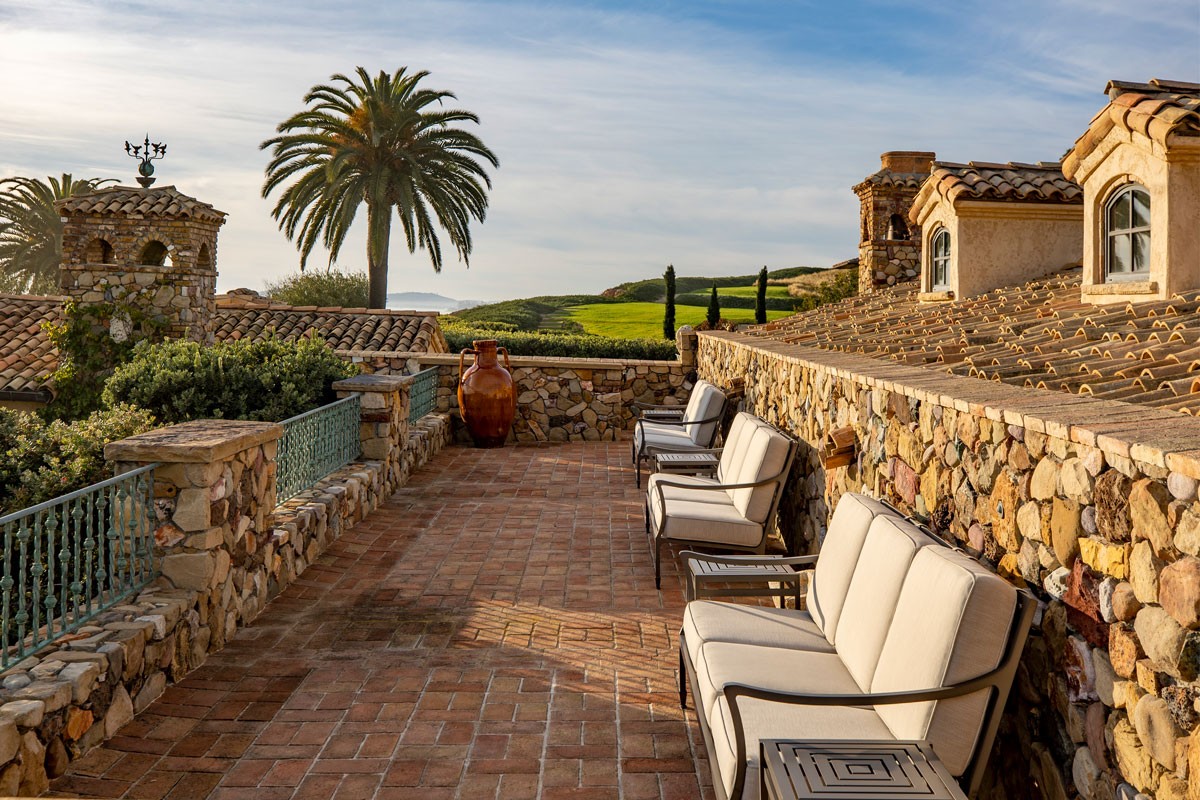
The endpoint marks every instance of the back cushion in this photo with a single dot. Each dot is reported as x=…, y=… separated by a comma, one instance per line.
x=871, y=600
x=765, y=457
x=709, y=400
x=839, y=554
x=951, y=624
x=741, y=431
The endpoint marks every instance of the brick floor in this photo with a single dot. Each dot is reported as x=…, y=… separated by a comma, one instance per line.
x=494, y=631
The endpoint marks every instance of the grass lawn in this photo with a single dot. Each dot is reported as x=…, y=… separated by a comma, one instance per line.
x=644, y=320
x=751, y=291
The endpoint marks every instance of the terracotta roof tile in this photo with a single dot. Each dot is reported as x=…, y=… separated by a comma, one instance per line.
x=1013, y=182
x=26, y=355
x=160, y=201
x=1159, y=110
x=1038, y=334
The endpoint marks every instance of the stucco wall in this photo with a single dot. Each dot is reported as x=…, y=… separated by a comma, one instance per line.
x=1091, y=504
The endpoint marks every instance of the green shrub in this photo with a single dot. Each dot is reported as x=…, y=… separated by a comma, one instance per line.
x=262, y=379
x=330, y=288
x=42, y=460
x=524, y=343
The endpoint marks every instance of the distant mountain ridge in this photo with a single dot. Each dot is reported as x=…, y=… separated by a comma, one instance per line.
x=428, y=301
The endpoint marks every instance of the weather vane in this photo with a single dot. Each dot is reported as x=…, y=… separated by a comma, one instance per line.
x=146, y=152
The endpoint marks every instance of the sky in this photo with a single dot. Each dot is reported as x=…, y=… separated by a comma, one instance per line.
x=715, y=135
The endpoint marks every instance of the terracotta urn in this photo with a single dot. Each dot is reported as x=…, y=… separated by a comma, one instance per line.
x=487, y=396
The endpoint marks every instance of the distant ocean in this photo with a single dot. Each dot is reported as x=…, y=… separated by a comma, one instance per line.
x=427, y=301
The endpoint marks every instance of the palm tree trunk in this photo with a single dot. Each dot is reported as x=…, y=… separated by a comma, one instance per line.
x=379, y=234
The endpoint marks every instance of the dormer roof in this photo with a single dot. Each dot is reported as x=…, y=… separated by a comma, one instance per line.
x=1042, y=182
x=1159, y=110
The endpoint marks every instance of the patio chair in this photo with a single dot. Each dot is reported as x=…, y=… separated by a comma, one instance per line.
x=733, y=510
x=696, y=429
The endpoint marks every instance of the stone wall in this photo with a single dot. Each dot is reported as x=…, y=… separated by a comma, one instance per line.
x=225, y=550
x=559, y=399
x=1091, y=504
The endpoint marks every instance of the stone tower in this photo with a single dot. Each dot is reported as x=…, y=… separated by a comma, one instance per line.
x=889, y=249
x=154, y=248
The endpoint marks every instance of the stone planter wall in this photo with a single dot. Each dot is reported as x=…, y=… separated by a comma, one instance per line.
x=225, y=550
x=1091, y=504
x=559, y=399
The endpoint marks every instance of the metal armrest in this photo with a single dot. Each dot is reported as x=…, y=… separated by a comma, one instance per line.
x=988, y=680
x=678, y=423
x=749, y=560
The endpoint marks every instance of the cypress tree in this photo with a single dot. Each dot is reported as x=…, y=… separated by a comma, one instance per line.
x=714, y=308
x=760, y=298
x=669, y=309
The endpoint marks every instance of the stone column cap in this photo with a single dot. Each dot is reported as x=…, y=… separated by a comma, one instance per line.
x=196, y=442
x=373, y=383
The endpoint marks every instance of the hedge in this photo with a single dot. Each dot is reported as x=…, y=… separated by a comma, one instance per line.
x=264, y=379
x=522, y=343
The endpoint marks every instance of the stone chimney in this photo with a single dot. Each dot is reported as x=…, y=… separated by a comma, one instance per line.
x=153, y=248
x=889, y=249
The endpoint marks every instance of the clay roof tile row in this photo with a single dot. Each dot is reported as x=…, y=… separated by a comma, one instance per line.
x=161, y=202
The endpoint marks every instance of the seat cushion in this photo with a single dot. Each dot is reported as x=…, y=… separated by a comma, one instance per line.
x=712, y=621
x=733, y=452
x=887, y=552
x=765, y=456
x=706, y=403
x=690, y=520
x=775, y=668
x=762, y=719
x=673, y=492
x=951, y=624
x=838, y=556
x=669, y=437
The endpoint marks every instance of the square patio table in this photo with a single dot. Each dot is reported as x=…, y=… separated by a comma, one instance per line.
x=669, y=414
x=859, y=769
x=702, y=575
x=686, y=463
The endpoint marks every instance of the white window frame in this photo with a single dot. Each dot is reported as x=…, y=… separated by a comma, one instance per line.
x=1109, y=234
x=939, y=262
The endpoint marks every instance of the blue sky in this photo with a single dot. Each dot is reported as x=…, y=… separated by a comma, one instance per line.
x=718, y=136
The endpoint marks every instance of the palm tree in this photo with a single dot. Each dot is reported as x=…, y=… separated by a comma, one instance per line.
x=31, y=230
x=388, y=143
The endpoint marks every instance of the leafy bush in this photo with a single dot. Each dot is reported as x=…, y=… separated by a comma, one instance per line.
x=263, y=379
x=330, y=288
x=42, y=460
x=524, y=343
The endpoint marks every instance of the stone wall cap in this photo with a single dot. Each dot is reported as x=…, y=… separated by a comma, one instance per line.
x=372, y=383
x=197, y=442
x=542, y=361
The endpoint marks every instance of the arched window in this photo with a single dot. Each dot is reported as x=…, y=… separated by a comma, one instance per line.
x=1127, y=234
x=940, y=259
x=897, y=229
x=155, y=254
x=204, y=257
x=99, y=251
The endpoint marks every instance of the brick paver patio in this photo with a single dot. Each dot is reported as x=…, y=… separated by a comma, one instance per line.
x=493, y=632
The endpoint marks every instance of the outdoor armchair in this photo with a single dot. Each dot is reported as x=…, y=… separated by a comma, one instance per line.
x=695, y=430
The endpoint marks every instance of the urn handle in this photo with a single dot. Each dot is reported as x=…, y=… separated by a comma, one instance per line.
x=507, y=364
x=462, y=358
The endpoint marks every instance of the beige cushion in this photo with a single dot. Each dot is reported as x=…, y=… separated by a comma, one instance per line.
x=766, y=720
x=839, y=555
x=775, y=668
x=668, y=437
x=691, y=490
x=706, y=402
x=711, y=621
x=871, y=599
x=951, y=624
x=719, y=523
x=736, y=442
x=764, y=458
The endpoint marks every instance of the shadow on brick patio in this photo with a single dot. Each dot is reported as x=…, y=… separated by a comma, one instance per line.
x=493, y=631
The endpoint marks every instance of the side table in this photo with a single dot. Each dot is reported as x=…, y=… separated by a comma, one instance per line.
x=703, y=573
x=864, y=770
x=686, y=463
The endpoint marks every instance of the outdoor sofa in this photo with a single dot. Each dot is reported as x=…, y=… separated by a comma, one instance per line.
x=694, y=429
x=903, y=638
x=731, y=510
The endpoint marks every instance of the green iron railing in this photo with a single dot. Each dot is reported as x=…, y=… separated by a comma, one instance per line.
x=316, y=443
x=70, y=558
x=422, y=394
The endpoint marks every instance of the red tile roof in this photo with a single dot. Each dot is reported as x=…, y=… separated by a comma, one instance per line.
x=1039, y=335
x=1013, y=182
x=131, y=201
x=26, y=355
